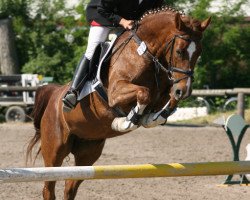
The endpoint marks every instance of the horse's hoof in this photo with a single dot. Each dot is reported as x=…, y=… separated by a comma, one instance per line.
x=148, y=121
x=145, y=121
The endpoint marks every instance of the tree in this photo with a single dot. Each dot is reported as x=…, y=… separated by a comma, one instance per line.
x=44, y=33
x=57, y=42
x=225, y=62
x=8, y=56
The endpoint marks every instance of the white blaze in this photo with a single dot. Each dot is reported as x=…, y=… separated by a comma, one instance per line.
x=191, y=49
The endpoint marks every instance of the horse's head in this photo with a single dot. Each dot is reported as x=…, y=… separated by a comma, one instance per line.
x=174, y=39
x=182, y=51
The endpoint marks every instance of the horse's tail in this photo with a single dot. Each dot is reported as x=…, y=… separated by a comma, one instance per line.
x=42, y=97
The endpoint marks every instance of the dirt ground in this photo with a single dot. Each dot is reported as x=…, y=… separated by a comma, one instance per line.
x=159, y=145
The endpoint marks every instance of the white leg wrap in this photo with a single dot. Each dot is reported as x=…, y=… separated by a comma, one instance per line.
x=123, y=124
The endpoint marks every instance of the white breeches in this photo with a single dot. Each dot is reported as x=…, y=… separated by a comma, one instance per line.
x=97, y=34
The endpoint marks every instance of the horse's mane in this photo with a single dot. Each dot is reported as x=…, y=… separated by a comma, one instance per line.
x=164, y=9
x=192, y=24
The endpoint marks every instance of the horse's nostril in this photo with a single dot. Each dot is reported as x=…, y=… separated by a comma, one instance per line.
x=178, y=92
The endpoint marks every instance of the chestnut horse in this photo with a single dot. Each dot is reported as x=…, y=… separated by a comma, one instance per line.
x=146, y=78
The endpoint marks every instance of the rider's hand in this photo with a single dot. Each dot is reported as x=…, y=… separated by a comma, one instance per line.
x=127, y=24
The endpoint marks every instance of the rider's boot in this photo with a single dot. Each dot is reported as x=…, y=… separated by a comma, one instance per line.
x=79, y=79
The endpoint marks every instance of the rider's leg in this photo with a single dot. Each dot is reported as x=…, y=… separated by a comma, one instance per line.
x=97, y=34
x=80, y=77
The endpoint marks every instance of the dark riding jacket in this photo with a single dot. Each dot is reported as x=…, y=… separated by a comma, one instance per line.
x=110, y=12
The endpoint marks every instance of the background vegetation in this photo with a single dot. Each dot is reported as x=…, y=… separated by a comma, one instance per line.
x=50, y=40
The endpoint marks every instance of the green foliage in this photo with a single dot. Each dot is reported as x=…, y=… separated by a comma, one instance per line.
x=10, y=8
x=225, y=62
x=50, y=41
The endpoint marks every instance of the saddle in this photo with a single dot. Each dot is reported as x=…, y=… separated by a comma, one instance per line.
x=98, y=67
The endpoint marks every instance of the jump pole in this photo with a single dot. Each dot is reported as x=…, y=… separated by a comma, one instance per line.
x=123, y=171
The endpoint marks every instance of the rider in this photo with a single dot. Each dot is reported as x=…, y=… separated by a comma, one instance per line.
x=102, y=15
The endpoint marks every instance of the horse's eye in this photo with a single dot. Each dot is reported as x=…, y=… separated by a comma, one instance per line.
x=179, y=52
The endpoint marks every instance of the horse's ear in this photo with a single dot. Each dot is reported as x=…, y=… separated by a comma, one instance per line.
x=205, y=24
x=179, y=24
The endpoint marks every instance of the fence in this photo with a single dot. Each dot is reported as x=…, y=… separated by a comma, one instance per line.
x=240, y=92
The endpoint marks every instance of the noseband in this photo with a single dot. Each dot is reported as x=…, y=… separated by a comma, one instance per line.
x=170, y=68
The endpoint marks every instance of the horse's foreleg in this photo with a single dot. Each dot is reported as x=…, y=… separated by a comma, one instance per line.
x=131, y=122
x=85, y=153
x=124, y=94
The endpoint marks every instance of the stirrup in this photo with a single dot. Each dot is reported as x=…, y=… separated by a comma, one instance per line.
x=69, y=101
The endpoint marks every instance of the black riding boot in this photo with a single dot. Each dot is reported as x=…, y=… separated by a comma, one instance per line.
x=79, y=79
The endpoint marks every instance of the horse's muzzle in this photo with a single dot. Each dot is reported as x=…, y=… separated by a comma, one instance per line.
x=182, y=89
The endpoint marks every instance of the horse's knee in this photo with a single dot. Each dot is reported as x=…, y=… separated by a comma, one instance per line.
x=143, y=96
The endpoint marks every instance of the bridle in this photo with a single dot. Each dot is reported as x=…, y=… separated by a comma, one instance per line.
x=188, y=73
x=170, y=69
